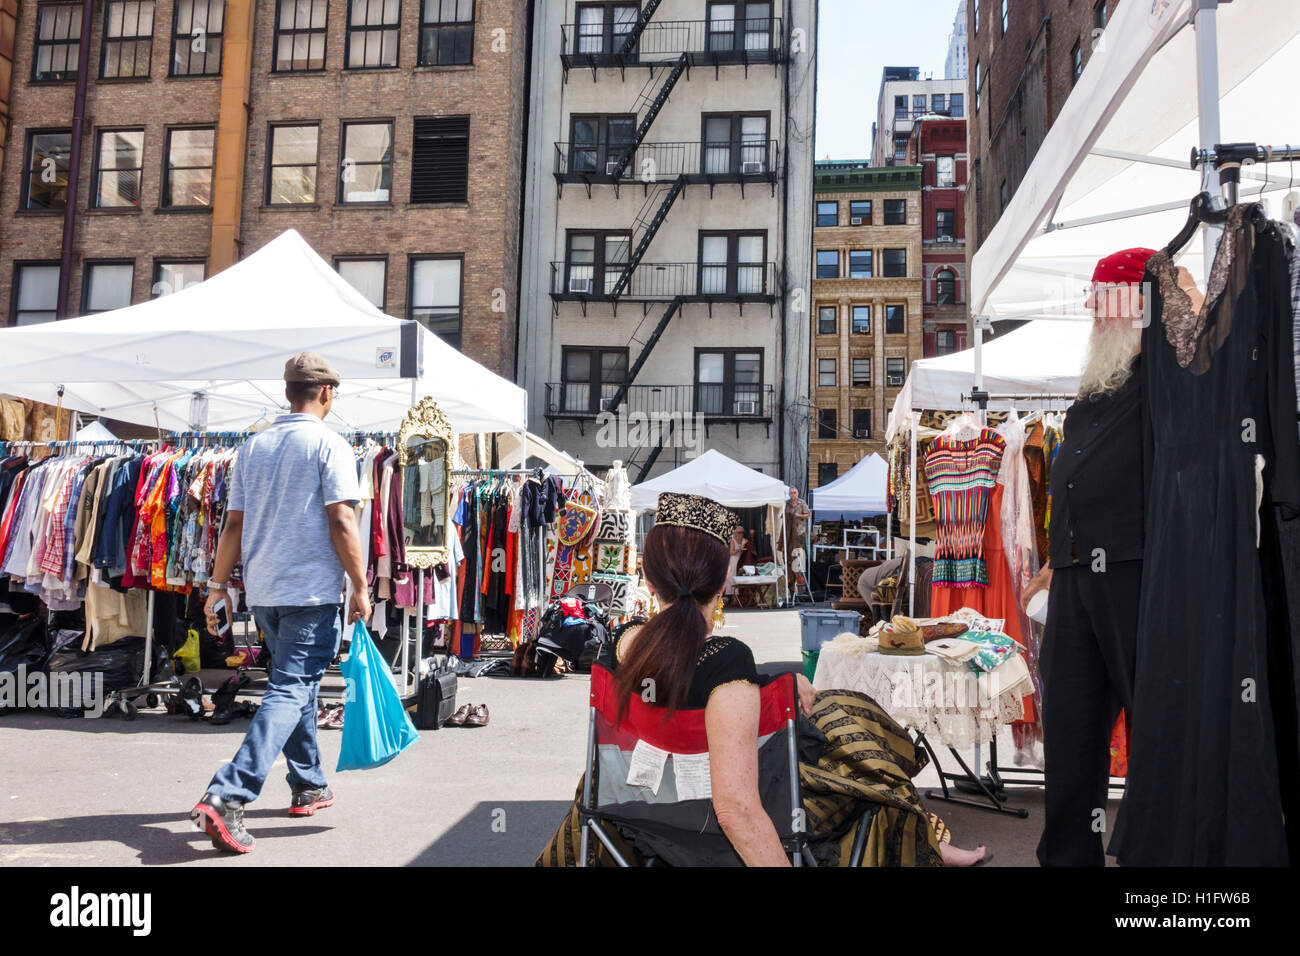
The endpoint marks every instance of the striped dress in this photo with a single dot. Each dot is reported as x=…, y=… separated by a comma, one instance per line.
x=961, y=475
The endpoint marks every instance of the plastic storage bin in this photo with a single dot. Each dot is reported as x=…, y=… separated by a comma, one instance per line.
x=810, y=663
x=820, y=625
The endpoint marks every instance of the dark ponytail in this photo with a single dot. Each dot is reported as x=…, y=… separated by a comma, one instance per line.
x=686, y=568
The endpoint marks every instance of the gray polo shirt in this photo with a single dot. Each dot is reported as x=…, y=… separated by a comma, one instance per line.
x=285, y=475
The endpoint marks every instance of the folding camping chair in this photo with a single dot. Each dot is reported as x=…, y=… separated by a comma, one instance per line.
x=675, y=822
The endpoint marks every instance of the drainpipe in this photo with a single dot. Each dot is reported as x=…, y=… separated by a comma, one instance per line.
x=74, y=162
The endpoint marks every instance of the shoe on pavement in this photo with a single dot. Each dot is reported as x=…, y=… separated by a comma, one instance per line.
x=478, y=716
x=307, y=802
x=462, y=713
x=223, y=820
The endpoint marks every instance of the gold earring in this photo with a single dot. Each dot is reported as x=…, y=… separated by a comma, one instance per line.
x=719, y=617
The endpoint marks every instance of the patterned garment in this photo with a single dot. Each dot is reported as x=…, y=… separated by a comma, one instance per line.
x=1052, y=439
x=961, y=475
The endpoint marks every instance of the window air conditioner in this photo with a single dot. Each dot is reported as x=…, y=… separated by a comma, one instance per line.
x=895, y=380
x=607, y=405
x=855, y=221
x=611, y=167
x=581, y=286
x=746, y=408
x=751, y=167
x=862, y=433
x=946, y=239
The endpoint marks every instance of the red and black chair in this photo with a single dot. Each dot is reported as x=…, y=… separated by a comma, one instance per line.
x=675, y=823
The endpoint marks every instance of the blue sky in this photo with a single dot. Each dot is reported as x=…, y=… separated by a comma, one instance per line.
x=856, y=40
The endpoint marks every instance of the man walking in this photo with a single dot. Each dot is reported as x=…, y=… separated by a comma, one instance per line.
x=291, y=517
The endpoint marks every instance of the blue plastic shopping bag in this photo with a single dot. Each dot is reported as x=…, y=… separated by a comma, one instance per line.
x=375, y=725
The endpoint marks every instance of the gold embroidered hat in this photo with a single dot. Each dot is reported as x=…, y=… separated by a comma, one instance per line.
x=698, y=512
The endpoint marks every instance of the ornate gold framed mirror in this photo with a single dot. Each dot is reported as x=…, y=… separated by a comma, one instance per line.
x=424, y=445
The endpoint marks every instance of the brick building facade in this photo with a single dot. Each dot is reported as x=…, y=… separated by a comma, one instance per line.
x=391, y=142
x=868, y=306
x=938, y=146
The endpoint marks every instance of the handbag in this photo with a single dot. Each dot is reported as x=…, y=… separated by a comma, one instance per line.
x=576, y=522
x=376, y=727
x=436, y=700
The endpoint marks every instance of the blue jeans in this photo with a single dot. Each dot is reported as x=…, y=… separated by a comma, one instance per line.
x=302, y=642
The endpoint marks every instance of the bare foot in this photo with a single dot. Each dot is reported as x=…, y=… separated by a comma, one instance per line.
x=956, y=856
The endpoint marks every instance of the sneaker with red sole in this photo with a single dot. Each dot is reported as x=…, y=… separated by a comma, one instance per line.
x=307, y=802
x=223, y=820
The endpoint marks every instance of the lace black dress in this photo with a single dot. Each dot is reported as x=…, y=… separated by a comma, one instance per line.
x=1213, y=755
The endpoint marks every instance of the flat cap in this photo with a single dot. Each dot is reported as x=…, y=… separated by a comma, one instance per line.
x=310, y=368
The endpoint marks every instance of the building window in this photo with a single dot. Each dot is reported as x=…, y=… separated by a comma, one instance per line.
x=1003, y=197
x=900, y=107
x=918, y=104
x=604, y=27
x=372, y=34
x=366, y=167
x=174, y=275
x=827, y=471
x=826, y=373
x=1099, y=15
x=859, y=263
x=291, y=165
x=367, y=274
x=827, y=319
x=107, y=286
x=827, y=424
x=862, y=373
x=58, y=41
x=119, y=162
x=741, y=25
x=861, y=423
x=900, y=148
x=895, y=372
x=434, y=296
x=860, y=212
x=945, y=172
x=597, y=142
x=938, y=103
x=945, y=288
x=945, y=226
x=977, y=86
x=1076, y=62
x=945, y=342
x=440, y=160
x=595, y=261
x=895, y=261
x=895, y=212
x=447, y=33
x=828, y=214
x=736, y=143
x=128, y=39
x=187, y=178
x=300, y=36
x=1005, y=16
x=46, y=183
x=895, y=319
x=828, y=264
x=36, y=293
x=862, y=320
x=957, y=105
x=196, y=37
x=977, y=16
x=728, y=382
x=590, y=377
x=731, y=263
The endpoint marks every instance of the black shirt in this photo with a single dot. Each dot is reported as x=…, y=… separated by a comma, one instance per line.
x=723, y=660
x=1099, y=479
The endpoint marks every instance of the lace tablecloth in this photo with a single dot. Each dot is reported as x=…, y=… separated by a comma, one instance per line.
x=944, y=700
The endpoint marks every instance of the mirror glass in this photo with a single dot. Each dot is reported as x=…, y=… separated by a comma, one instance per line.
x=424, y=493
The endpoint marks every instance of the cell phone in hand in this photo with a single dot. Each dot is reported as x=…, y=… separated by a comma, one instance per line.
x=223, y=617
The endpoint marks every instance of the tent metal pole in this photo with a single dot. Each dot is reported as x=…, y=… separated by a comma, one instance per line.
x=1207, y=97
x=911, y=529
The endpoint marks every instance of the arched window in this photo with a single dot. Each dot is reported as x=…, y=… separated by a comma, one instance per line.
x=945, y=287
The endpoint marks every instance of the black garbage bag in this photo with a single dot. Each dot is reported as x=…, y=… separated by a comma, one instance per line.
x=121, y=662
x=566, y=635
x=22, y=641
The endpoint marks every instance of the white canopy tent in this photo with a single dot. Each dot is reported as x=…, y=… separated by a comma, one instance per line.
x=211, y=356
x=715, y=476
x=1040, y=357
x=514, y=451
x=860, y=492
x=1113, y=172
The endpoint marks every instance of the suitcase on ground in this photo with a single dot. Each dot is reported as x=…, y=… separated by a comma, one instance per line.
x=436, y=700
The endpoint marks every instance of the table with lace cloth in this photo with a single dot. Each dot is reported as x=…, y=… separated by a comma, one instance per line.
x=943, y=699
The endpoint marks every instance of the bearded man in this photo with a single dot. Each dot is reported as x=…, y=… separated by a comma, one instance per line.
x=1094, y=568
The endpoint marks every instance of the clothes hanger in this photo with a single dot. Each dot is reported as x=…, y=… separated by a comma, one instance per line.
x=1200, y=212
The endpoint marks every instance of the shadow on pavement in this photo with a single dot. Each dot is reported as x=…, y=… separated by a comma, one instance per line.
x=497, y=833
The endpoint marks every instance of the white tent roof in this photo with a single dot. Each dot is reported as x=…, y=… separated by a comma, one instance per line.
x=1138, y=95
x=508, y=447
x=95, y=431
x=860, y=491
x=715, y=476
x=229, y=337
x=1040, y=357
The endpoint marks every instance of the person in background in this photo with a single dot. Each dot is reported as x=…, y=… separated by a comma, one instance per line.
x=1094, y=571
x=734, y=547
x=291, y=517
x=796, y=520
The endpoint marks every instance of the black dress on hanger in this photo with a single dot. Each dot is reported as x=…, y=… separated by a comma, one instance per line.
x=1213, y=756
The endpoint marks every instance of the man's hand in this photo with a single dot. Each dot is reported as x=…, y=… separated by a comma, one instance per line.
x=1039, y=582
x=359, y=607
x=807, y=693
x=215, y=597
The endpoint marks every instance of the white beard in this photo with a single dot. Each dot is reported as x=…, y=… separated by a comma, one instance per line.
x=1109, y=359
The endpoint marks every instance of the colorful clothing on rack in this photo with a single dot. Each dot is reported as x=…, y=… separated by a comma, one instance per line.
x=960, y=475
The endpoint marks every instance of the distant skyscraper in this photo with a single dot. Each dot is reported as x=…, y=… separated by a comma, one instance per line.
x=954, y=67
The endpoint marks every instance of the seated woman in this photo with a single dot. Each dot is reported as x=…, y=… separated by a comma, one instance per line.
x=864, y=756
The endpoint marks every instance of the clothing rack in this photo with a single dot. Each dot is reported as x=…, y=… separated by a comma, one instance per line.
x=1228, y=158
x=982, y=398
